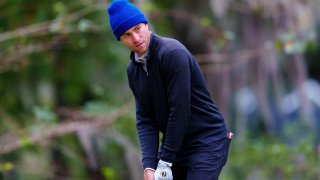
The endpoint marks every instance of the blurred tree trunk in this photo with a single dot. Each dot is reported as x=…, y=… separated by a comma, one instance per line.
x=254, y=36
x=189, y=25
x=299, y=74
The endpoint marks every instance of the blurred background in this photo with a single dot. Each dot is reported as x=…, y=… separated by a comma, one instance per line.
x=66, y=111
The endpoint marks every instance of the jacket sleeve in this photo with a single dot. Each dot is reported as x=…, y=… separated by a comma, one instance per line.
x=177, y=74
x=148, y=134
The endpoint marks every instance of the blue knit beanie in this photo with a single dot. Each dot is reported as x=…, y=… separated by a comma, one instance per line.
x=123, y=15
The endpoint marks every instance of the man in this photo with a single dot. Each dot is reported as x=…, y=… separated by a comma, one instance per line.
x=170, y=97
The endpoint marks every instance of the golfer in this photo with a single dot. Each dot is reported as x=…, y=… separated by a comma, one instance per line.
x=171, y=99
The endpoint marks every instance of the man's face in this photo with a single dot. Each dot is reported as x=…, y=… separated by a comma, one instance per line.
x=137, y=38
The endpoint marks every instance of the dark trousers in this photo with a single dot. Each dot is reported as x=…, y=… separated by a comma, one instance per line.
x=205, y=163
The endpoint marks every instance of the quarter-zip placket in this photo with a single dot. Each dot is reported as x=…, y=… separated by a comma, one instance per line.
x=143, y=61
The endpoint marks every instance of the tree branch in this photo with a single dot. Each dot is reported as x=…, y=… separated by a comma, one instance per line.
x=75, y=120
x=41, y=28
x=8, y=61
x=219, y=62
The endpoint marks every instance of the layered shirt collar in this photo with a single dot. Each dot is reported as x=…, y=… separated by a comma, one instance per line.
x=143, y=59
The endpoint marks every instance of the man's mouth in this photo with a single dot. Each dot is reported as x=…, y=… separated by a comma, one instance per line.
x=139, y=44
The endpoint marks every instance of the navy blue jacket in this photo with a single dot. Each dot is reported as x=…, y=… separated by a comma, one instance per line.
x=172, y=98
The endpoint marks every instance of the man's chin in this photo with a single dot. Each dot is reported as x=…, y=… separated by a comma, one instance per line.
x=140, y=51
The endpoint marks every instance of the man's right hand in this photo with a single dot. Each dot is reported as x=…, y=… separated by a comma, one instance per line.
x=149, y=174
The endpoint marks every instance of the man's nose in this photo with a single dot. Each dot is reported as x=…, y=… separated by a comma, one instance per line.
x=135, y=37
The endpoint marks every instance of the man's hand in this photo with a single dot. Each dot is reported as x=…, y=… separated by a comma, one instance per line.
x=163, y=171
x=148, y=174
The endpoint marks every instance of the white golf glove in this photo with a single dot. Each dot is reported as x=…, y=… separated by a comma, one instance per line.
x=163, y=171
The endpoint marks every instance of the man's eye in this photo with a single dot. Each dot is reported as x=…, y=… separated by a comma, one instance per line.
x=124, y=36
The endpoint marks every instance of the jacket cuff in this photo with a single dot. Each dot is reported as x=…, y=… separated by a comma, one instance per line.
x=149, y=169
x=150, y=163
x=167, y=155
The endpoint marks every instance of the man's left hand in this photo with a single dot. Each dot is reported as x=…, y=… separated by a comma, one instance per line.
x=163, y=171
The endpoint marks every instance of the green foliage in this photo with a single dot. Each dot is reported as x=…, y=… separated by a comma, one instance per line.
x=25, y=142
x=165, y=3
x=108, y=173
x=68, y=154
x=112, y=158
x=6, y=167
x=99, y=108
x=126, y=125
x=205, y=22
x=84, y=67
x=291, y=44
x=44, y=115
x=271, y=159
